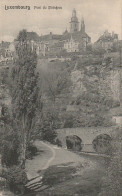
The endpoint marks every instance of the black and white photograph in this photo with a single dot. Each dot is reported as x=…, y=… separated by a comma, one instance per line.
x=60, y=97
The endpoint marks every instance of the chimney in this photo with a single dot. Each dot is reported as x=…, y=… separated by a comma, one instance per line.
x=51, y=35
x=112, y=34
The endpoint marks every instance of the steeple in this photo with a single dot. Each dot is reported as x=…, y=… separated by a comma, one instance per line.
x=74, y=24
x=82, y=25
x=74, y=13
x=66, y=31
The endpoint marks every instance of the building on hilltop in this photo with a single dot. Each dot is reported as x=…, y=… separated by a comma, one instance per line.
x=6, y=55
x=50, y=38
x=74, y=24
x=57, y=47
x=80, y=39
x=107, y=41
x=71, y=45
x=82, y=26
x=73, y=41
x=78, y=42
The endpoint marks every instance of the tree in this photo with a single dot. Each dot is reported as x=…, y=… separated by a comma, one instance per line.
x=9, y=141
x=47, y=125
x=16, y=179
x=56, y=84
x=25, y=92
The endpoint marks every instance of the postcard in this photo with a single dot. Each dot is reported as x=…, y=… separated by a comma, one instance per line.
x=60, y=97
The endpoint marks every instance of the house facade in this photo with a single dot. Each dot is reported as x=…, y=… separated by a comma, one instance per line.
x=71, y=45
x=107, y=41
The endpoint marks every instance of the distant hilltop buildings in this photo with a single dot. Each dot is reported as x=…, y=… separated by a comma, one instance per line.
x=73, y=41
x=6, y=54
x=107, y=41
x=76, y=40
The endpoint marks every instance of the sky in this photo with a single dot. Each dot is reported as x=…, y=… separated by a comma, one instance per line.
x=99, y=15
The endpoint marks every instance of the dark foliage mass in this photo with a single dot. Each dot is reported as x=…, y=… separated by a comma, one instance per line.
x=31, y=151
x=55, y=175
x=16, y=179
x=73, y=142
x=10, y=153
x=9, y=142
x=102, y=144
x=26, y=99
x=47, y=125
x=112, y=181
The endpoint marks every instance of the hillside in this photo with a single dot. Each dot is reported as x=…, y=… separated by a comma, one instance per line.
x=83, y=91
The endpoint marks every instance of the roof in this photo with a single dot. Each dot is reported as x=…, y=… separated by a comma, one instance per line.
x=33, y=36
x=77, y=36
x=107, y=37
x=102, y=38
x=50, y=37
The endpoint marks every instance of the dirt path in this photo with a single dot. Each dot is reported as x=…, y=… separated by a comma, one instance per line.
x=50, y=155
x=53, y=155
x=86, y=183
x=40, y=161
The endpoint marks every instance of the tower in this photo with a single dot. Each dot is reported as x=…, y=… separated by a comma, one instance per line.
x=74, y=24
x=82, y=26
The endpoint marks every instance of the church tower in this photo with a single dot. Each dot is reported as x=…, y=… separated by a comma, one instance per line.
x=82, y=26
x=74, y=24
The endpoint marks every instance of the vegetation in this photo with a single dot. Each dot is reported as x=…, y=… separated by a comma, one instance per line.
x=16, y=179
x=102, y=144
x=55, y=175
x=39, y=107
x=47, y=126
x=111, y=185
x=10, y=153
x=73, y=142
x=54, y=80
x=25, y=91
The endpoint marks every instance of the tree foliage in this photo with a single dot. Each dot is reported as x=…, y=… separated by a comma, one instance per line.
x=16, y=179
x=112, y=181
x=56, y=82
x=25, y=91
x=49, y=122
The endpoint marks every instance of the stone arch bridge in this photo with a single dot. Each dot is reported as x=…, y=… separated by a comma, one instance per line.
x=87, y=134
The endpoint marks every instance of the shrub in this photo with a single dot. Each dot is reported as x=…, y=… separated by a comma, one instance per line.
x=47, y=126
x=48, y=135
x=68, y=123
x=31, y=151
x=102, y=143
x=16, y=179
x=58, y=142
x=10, y=153
x=111, y=183
x=73, y=142
x=54, y=174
